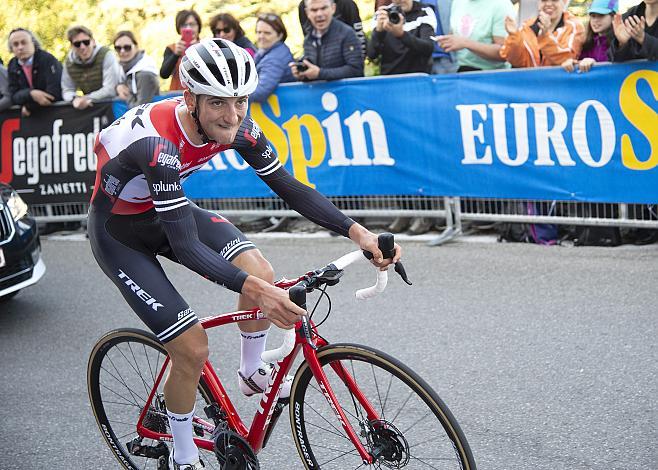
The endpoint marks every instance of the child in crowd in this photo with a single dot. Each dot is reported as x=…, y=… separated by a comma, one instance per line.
x=599, y=36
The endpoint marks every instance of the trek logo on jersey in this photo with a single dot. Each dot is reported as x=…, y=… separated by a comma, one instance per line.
x=139, y=292
x=165, y=187
x=166, y=160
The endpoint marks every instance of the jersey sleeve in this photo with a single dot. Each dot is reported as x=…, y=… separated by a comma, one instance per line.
x=258, y=152
x=159, y=162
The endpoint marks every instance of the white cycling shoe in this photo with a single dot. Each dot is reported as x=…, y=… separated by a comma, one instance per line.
x=257, y=382
x=198, y=465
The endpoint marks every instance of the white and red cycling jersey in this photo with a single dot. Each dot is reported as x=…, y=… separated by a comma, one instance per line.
x=144, y=156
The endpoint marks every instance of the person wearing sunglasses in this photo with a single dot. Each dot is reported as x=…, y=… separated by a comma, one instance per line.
x=225, y=26
x=89, y=68
x=139, y=81
x=34, y=75
x=188, y=25
x=272, y=56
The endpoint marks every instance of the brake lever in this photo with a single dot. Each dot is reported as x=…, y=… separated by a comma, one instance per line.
x=399, y=268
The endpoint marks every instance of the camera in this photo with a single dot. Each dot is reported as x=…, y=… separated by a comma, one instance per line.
x=394, y=14
x=301, y=66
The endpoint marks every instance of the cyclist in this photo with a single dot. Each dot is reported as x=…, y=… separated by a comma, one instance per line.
x=139, y=211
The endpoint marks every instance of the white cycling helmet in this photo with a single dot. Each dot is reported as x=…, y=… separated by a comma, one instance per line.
x=217, y=67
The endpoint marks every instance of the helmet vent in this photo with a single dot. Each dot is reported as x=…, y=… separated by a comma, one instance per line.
x=210, y=63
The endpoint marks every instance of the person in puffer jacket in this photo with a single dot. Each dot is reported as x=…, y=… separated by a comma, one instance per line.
x=138, y=82
x=272, y=56
x=550, y=38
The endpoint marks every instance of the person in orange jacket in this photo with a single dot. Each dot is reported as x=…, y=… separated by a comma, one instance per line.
x=550, y=38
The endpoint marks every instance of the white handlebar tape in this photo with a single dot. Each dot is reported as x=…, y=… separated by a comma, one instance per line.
x=275, y=355
x=378, y=288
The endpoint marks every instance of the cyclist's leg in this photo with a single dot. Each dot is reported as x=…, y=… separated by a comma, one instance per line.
x=222, y=236
x=126, y=260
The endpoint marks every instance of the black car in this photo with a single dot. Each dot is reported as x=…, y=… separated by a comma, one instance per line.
x=20, y=250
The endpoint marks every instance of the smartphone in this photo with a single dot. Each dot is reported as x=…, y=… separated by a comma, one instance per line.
x=434, y=38
x=187, y=36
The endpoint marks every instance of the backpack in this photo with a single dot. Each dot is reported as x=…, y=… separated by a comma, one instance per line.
x=594, y=235
x=542, y=234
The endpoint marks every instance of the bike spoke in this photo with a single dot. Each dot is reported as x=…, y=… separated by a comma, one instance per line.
x=374, y=376
x=411, y=394
x=352, y=451
x=338, y=433
x=127, y=401
x=416, y=422
x=123, y=381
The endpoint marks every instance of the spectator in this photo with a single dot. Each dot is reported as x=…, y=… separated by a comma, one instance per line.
x=34, y=75
x=346, y=11
x=636, y=33
x=331, y=50
x=403, y=45
x=272, y=57
x=598, y=38
x=186, y=20
x=90, y=68
x=138, y=82
x=225, y=26
x=443, y=62
x=550, y=38
x=477, y=33
x=5, y=98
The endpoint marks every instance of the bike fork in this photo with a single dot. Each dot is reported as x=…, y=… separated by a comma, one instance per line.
x=329, y=395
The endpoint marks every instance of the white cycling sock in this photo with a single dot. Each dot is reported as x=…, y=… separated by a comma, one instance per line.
x=252, y=345
x=185, y=450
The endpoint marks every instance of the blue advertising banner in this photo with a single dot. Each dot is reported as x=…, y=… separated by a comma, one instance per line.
x=535, y=134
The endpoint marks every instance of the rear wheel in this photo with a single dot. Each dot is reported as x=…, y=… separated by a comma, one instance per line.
x=122, y=370
x=414, y=429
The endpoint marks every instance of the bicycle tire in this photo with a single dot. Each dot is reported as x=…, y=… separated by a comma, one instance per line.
x=114, y=365
x=321, y=441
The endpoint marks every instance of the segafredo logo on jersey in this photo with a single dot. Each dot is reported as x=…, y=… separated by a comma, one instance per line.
x=139, y=292
x=164, y=159
x=570, y=136
x=161, y=187
x=46, y=151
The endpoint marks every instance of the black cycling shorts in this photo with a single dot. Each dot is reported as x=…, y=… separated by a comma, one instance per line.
x=126, y=247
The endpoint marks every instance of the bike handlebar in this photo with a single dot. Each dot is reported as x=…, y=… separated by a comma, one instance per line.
x=297, y=292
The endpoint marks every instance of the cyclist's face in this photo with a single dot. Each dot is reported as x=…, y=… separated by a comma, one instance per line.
x=221, y=117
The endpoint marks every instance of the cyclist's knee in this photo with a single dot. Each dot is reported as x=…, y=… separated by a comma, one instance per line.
x=254, y=263
x=189, y=350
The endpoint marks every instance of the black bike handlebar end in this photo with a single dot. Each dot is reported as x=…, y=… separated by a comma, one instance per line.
x=386, y=244
x=297, y=295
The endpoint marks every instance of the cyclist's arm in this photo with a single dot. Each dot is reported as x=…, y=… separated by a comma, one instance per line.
x=175, y=214
x=259, y=153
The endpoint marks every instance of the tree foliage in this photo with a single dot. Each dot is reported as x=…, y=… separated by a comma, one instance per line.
x=152, y=21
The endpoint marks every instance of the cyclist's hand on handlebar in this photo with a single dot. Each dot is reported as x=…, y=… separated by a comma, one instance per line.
x=274, y=302
x=368, y=241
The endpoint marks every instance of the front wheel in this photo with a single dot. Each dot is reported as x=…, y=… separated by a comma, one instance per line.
x=413, y=429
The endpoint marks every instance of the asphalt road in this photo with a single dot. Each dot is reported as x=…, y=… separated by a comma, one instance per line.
x=547, y=356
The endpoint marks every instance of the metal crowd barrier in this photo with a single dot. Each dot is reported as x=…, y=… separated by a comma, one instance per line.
x=454, y=210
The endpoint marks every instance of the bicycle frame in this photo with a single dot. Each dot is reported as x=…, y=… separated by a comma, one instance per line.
x=255, y=435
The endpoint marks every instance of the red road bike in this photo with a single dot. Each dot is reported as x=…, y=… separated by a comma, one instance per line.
x=350, y=406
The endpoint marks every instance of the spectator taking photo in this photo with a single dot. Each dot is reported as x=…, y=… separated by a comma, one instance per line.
x=331, y=49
